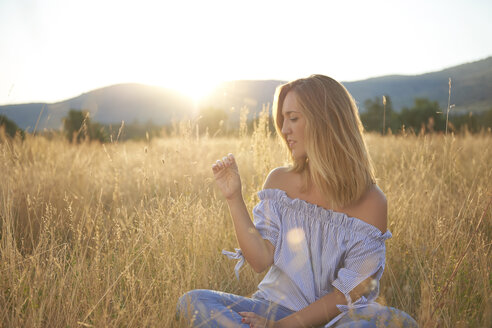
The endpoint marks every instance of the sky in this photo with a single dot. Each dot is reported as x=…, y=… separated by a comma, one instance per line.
x=51, y=50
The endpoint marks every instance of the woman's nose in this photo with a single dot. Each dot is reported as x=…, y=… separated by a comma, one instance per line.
x=285, y=128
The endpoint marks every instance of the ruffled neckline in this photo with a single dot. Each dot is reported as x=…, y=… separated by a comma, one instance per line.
x=326, y=215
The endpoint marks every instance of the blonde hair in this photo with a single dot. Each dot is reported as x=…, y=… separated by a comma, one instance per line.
x=338, y=162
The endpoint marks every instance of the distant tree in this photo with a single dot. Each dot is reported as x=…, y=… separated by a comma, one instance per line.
x=98, y=132
x=78, y=127
x=10, y=127
x=472, y=122
x=377, y=113
x=424, y=116
x=75, y=124
x=486, y=119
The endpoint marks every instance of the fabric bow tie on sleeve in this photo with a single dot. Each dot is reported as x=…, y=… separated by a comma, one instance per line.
x=238, y=255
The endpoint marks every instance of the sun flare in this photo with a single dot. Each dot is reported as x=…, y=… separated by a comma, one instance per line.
x=196, y=89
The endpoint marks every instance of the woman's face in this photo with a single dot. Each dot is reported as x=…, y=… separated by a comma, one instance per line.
x=293, y=125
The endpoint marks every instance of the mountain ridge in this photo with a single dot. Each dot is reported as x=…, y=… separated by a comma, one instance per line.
x=471, y=90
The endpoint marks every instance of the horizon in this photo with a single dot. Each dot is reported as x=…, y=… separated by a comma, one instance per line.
x=211, y=89
x=49, y=52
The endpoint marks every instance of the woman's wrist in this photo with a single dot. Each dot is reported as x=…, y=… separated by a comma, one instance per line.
x=235, y=198
x=278, y=324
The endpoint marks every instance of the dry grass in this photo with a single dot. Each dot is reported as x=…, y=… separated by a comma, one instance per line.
x=94, y=235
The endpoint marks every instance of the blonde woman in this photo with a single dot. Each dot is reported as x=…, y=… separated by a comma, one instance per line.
x=320, y=226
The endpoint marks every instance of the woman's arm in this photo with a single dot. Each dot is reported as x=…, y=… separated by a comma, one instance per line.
x=256, y=250
x=315, y=314
x=323, y=310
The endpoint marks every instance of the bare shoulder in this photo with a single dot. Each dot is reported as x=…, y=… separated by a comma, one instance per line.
x=276, y=179
x=372, y=208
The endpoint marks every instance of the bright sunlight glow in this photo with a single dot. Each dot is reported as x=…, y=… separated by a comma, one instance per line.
x=52, y=50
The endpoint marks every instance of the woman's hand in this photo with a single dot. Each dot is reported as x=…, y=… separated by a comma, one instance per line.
x=227, y=177
x=255, y=321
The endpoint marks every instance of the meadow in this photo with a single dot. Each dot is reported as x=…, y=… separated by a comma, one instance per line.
x=110, y=235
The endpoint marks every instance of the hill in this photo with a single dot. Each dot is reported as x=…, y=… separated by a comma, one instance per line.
x=471, y=87
x=109, y=105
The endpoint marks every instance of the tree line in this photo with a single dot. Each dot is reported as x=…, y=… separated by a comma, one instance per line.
x=425, y=116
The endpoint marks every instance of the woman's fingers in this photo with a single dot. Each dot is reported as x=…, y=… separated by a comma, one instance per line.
x=253, y=319
x=246, y=317
x=246, y=320
x=230, y=158
x=226, y=161
x=245, y=314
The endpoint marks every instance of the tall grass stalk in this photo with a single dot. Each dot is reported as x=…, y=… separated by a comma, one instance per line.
x=384, y=114
x=449, y=104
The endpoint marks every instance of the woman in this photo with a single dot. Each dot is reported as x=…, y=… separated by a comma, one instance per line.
x=320, y=226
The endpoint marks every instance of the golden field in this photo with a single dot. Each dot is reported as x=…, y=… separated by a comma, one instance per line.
x=111, y=235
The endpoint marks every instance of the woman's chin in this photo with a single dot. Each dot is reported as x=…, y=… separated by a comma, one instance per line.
x=299, y=157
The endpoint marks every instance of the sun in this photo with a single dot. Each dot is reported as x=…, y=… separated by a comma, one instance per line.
x=197, y=89
x=194, y=88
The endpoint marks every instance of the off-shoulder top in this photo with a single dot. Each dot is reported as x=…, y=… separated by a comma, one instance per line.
x=316, y=250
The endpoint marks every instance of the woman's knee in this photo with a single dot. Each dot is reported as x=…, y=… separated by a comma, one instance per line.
x=376, y=315
x=400, y=318
x=186, y=301
x=392, y=317
x=357, y=324
x=189, y=302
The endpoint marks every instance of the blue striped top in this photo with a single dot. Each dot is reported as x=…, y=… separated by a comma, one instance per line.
x=315, y=250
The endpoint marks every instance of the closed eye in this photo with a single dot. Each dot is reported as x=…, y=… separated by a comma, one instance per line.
x=293, y=119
